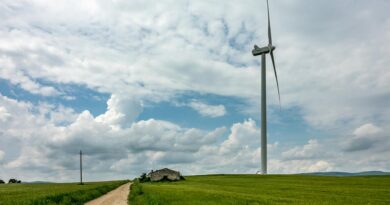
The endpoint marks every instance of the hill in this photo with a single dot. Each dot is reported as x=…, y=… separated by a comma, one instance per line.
x=341, y=174
x=265, y=189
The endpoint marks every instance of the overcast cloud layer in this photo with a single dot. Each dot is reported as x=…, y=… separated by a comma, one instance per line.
x=333, y=67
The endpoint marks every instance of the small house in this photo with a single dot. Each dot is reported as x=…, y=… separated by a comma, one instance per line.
x=164, y=174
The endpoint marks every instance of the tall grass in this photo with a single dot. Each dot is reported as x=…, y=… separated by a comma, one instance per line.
x=47, y=194
x=137, y=195
x=259, y=189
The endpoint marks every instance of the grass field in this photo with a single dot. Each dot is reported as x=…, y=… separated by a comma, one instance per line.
x=270, y=189
x=61, y=193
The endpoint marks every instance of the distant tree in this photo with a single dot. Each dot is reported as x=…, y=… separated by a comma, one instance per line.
x=14, y=181
x=2, y=182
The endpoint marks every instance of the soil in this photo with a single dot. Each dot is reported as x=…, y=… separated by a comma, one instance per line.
x=117, y=196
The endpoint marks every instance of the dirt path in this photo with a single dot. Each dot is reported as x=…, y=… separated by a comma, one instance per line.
x=117, y=196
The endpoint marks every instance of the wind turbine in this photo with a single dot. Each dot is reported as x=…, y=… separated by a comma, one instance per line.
x=263, y=51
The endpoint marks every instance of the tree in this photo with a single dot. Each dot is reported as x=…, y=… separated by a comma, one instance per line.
x=14, y=181
x=2, y=182
x=144, y=178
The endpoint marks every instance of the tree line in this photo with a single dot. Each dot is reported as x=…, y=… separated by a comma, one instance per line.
x=11, y=181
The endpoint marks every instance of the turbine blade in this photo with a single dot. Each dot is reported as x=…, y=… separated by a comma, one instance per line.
x=269, y=27
x=276, y=75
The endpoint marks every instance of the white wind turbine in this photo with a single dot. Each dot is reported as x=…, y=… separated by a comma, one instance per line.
x=263, y=51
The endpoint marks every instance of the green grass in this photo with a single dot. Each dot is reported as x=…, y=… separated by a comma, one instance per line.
x=270, y=189
x=61, y=193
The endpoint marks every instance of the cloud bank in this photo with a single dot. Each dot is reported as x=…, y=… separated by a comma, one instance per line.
x=50, y=149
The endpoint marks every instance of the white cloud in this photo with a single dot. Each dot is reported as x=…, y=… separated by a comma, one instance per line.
x=1, y=155
x=27, y=83
x=300, y=166
x=4, y=115
x=243, y=135
x=311, y=150
x=67, y=97
x=365, y=137
x=367, y=129
x=366, y=148
x=208, y=110
x=320, y=166
x=121, y=110
x=13, y=64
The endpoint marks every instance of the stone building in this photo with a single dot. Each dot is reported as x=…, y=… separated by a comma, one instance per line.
x=164, y=174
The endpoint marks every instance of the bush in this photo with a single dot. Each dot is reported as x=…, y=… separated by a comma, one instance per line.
x=2, y=182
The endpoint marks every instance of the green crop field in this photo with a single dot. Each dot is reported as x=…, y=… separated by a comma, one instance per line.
x=55, y=193
x=259, y=189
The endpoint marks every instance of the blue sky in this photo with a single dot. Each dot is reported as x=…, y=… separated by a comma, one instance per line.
x=140, y=85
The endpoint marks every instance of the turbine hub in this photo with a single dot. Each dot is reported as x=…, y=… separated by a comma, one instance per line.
x=264, y=50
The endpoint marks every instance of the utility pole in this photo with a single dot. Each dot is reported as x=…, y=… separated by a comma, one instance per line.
x=81, y=168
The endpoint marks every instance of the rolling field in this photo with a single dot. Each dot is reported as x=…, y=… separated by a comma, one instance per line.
x=270, y=189
x=61, y=193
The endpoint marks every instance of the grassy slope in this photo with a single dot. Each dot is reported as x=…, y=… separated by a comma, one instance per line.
x=64, y=193
x=270, y=189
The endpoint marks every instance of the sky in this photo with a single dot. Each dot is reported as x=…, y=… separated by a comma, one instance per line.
x=141, y=85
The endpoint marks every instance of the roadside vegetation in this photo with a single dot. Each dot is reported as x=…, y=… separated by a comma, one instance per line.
x=260, y=189
x=54, y=193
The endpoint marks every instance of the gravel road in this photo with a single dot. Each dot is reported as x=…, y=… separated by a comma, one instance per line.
x=117, y=196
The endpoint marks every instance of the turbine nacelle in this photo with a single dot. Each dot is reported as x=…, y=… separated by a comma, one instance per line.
x=264, y=50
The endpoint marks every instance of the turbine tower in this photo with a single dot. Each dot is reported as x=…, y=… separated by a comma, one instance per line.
x=263, y=51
